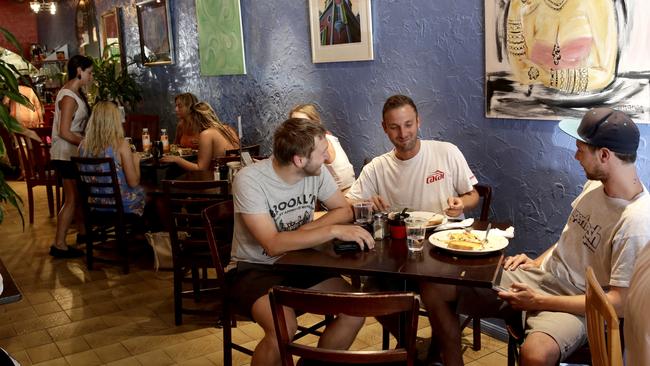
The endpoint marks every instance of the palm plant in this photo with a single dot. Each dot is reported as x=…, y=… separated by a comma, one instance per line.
x=113, y=82
x=9, y=89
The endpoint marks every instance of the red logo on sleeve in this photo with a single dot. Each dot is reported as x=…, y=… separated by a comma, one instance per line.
x=436, y=176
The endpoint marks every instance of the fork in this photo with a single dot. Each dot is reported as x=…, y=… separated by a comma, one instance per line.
x=487, y=231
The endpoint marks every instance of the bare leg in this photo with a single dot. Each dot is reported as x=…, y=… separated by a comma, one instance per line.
x=266, y=352
x=64, y=218
x=539, y=349
x=444, y=321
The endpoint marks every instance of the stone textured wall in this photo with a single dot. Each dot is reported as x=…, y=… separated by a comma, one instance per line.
x=430, y=50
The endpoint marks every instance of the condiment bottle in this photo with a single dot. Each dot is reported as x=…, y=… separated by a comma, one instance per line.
x=146, y=140
x=165, y=140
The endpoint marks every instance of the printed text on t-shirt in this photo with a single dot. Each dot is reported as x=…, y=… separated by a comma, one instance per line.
x=435, y=176
x=591, y=237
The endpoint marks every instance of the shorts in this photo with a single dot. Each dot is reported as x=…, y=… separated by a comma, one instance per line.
x=568, y=330
x=65, y=169
x=252, y=281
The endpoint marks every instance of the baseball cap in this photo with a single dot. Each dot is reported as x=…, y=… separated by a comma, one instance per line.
x=604, y=127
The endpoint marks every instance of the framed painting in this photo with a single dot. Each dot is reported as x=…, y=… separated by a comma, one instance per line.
x=554, y=59
x=221, y=40
x=111, y=35
x=156, y=40
x=341, y=30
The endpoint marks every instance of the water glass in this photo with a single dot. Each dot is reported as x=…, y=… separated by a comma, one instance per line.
x=415, y=228
x=362, y=212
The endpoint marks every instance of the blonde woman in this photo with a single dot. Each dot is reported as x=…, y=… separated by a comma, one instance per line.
x=214, y=139
x=337, y=163
x=105, y=139
x=187, y=134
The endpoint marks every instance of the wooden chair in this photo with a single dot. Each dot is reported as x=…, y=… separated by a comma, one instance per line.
x=136, y=122
x=602, y=325
x=354, y=304
x=219, y=223
x=108, y=228
x=38, y=171
x=185, y=200
x=254, y=150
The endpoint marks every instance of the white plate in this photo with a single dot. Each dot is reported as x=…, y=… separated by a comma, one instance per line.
x=495, y=242
x=427, y=216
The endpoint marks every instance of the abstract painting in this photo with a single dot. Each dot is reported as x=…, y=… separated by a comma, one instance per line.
x=341, y=30
x=552, y=59
x=221, y=40
x=156, y=41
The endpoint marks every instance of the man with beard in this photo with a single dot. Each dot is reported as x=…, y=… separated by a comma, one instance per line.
x=607, y=229
x=421, y=175
x=274, y=203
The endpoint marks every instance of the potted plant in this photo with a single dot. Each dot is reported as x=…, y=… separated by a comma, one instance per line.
x=113, y=82
x=9, y=89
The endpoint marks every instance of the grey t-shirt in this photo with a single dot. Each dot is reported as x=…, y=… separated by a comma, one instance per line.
x=258, y=189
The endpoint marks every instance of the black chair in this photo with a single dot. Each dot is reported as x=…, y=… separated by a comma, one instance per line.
x=254, y=150
x=353, y=304
x=184, y=202
x=108, y=228
x=219, y=223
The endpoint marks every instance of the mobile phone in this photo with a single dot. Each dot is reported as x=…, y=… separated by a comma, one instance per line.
x=498, y=288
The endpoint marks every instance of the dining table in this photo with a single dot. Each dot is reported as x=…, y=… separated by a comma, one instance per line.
x=10, y=292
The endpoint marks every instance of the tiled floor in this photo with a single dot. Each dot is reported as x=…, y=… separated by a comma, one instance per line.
x=72, y=316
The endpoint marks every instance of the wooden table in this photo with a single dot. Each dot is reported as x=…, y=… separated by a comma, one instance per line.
x=10, y=293
x=391, y=258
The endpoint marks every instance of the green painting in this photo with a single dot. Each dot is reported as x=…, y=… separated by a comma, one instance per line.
x=221, y=42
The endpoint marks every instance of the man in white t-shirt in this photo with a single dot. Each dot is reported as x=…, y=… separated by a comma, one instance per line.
x=607, y=229
x=274, y=203
x=420, y=175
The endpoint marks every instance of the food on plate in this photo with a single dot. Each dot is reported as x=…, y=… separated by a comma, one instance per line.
x=464, y=241
x=185, y=151
x=435, y=220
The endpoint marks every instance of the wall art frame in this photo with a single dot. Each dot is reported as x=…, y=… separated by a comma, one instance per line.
x=112, y=37
x=341, y=30
x=155, y=28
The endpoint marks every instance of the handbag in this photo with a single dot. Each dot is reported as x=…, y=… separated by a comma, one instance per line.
x=162, y=249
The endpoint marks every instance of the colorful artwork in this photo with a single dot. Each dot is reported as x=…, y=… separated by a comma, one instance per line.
x=221, y=40
x=341, y=30
x=551, y=59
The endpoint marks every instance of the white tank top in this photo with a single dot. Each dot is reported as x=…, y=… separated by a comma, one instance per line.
x=62, y=149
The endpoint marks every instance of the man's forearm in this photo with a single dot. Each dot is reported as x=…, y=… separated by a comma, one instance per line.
x=340, y=215
x=470, y=199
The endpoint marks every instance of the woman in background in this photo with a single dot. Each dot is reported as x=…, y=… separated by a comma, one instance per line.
x=105, y=139
x=214, y=139
x=338, y=163
x=70, y=115
x=187, y=135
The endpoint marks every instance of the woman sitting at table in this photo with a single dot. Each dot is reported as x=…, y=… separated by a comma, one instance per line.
x=214, y=139
x=187, y=134
x=105, y=139
x=337, y=163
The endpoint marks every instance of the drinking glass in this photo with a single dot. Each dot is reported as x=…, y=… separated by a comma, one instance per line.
x=362, y=212
x=415, y=228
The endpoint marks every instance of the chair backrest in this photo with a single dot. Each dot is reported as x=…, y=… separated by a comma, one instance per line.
x=134, y=124
x=219, y=222
x=484, y=192
x=602, y=325
x=48, y=115
x=254, y=150
x=353, y=304
x=35, y=158
x=185, y=201
x=99, y=188
x=45, y=133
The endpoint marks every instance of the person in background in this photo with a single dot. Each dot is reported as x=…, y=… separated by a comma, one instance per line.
x=71, y=112
x=105, y=139
x=337, y=163
x=637, y=326
x=214, y=139
x=26, y=116
x=421, y=175
x=187, y=134
x=274, y=202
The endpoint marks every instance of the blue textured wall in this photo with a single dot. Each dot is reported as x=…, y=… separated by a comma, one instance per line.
x=431, y=50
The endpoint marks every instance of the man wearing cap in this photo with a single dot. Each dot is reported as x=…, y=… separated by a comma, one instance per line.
x=607, y=228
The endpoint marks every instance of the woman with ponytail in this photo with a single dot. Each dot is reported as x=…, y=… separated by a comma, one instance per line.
x=214, y=139
x=71, y=112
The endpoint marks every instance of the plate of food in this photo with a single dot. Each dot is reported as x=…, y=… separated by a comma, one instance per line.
x=433, y=219
x=467, y=242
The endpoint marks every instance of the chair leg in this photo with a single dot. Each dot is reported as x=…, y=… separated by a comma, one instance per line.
x=385, y=338
x=50, y=199
x=196, y=286
x=178, y=299
x=227, y=338
x=90, y=237
x=123, y=251
x=476, y=333
x=30, y=200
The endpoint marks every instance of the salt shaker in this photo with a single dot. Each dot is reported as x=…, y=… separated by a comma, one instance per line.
x=379, y=226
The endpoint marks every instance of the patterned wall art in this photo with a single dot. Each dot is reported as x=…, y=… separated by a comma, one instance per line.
x=221, y=40
x=154, y=24
x=551, y=59
x=341, y=30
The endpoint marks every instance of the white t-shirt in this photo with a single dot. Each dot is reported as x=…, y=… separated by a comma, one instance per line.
x=62, y=149
x=603, y=232
x=341, y=169
x=258, y=189
x=422, y=183
x=637, y=326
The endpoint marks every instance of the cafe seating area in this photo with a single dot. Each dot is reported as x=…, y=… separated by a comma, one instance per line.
x=70, y=315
